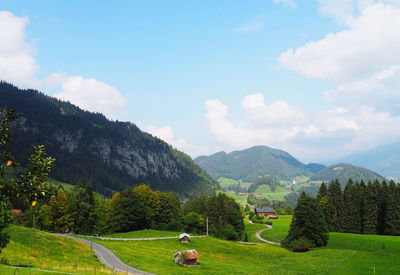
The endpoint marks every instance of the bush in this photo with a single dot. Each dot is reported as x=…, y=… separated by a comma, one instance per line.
x=300, y=245
x=228, y=233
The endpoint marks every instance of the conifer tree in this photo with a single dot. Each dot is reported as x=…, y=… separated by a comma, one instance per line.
x=308, y=224
x=382, y=194
x=370, y=210
x=334, y=207
x=351, y=208
x=392, y=218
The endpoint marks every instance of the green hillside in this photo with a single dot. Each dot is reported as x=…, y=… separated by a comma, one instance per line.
x=255, y=162
x=112, y=155
x=343, y=172
x=52, y=252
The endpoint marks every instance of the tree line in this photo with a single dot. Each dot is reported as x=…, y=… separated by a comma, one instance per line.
x=372, y=208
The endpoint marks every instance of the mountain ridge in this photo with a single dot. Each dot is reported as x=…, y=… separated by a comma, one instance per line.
x=87, y=146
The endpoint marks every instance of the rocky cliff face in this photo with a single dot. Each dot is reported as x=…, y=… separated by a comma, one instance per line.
x=88, y=147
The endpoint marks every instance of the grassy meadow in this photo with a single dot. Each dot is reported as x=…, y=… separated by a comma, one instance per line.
x=149, y=233
x=52, y=252
x=280, y=228
x=251, y=229
x=266, y=192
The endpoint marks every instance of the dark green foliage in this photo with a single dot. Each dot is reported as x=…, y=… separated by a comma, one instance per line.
x=334, y=207
x=257, y=161
x=351, y=210
x=392, y=217
x=323, y=190
x=308, y=227
x=5, y=219
x=382, y=195
x=224, y=215
x=369, y=208
x=91, y=148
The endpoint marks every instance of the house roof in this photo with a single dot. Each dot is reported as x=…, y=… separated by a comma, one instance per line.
x=188, y=254
x=265, y=210
x=183, y=235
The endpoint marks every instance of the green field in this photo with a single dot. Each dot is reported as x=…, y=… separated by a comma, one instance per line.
x=252, y=229
x=240, y=199
x=280, y=228
x=145, y=234
x=224, y=257
x=52, y=252
x=266, y=192
x=226, y=182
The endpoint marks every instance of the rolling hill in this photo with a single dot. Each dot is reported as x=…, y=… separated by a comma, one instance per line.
x=112, y=155
x=255, y=162
x=343, y=172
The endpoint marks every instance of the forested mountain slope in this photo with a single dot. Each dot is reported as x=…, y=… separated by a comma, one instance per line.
x=89, y=147
x=343, y=172
x=255, y=162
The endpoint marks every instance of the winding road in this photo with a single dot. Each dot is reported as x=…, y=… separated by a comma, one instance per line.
x=109, y=259
x=258, y=234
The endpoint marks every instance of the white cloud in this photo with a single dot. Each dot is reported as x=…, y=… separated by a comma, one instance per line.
x=91, y=94
x=17, y=64
x=371, y=43
x=288, y=3
x=322, y=135
x=253, y=26
x=264, y=124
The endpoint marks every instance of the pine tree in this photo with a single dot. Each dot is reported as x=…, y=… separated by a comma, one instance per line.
x=323, y=191
x=351, y=209
x=392, y=218
x=382, y=194
x=308, y=224
x=334, y=207
x=370, y=210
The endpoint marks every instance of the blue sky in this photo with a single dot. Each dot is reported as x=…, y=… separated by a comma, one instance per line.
x=319, y=79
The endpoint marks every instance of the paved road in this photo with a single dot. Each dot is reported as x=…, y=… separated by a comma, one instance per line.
x=109, y=259
x=258, y=234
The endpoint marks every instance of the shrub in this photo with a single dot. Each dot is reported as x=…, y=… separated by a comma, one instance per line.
x=300, y=245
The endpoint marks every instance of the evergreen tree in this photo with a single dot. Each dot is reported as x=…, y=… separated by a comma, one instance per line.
x=351, y=209
x=308, y=224
x=382, y=194
x=392, y=218
x=370, y=210
x=323, y=191
x=334, y=207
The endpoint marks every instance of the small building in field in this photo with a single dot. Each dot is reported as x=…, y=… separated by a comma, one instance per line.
x=268, y=211
x=184, y=238
x=186, y=258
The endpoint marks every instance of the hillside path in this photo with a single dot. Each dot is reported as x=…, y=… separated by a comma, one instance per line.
x=258, y=235
x=109, y=259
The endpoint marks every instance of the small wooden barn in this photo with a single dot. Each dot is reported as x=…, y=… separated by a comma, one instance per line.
x=186, y=258
x=184, y=238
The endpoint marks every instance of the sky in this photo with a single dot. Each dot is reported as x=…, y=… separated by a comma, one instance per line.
x=319, y=79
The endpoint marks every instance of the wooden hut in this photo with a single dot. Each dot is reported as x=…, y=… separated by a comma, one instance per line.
x=184, y=238
x=267, y=212
x=186, y=258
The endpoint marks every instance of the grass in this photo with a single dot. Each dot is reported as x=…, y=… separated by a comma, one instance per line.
x=251, y=229
x=279, y=194
x=52, y=252
x=226, y=182
x=223, y=257
x=149, y=233
x=280, y=228
x=240, y=199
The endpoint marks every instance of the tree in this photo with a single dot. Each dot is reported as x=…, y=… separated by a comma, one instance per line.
x=6, y=159
x=392, y=218
x=369, y=210
x=308, y=226
x=334, y=207
x=351, y=208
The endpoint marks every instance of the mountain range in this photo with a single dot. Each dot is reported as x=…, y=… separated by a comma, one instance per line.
x=260, y=161
x=255, y=162
x=88, y=147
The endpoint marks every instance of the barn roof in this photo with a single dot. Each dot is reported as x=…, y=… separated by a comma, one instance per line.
x=183, y=235
x=188, y=254
x=264, y=210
